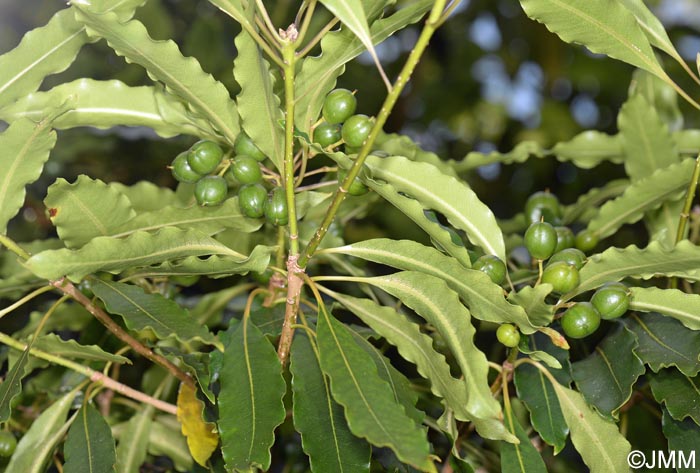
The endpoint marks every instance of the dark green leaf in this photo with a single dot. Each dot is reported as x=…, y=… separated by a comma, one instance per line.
x=166, y=439
x=89, y=447
x=683, y=440
x=11, y=385
x=133, y=442
x=52, y=343
x=679, y=393
x=521, y=457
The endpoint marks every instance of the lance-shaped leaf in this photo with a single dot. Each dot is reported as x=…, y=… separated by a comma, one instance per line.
x=605, y=378
x=669, y=302
x=164, y=62
x=11, y=385
x=325, y=435
x=370, y=408
x=318, y=74
x=105, y=104
x=683, y=438
x=141, y=310
x=26, y=146
x=603, y=27
x=116, y=254
x=679, y=393
x=590, y=148
x=52, y=343
x=532, y=300
x=146, y=196
x=258, y=105
x=133, y=442
x=519, y=154
x=592, y=199
x=166, y=439
x=250, y=400
x=86, y=209
x=521, y=457
x=36, y=446
x=645, y=194
x=617, y=263
x=433, y=300
x=601, y=445
x=484, y=298
x=664, y=342
x=89, y=446
x=202, y=438
x=442, y=193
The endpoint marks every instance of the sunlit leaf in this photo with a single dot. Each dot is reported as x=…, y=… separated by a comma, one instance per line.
x=52, y=343
x=590, y=148
x=202, y=438
x=532, y=299
x=89, y=446
x=669, y=302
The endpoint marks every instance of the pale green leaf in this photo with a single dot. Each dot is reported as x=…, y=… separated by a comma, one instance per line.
x=532, y=300
x=166, y=439
x=395, y=144
x=11, y=385
x=86, y=209
x=661, y=96
x=89, y=447
x=52, y=343
x=165, y=63
x=133, y=442
x=234, y=9
x=146, y=196
x=643, y=195
x=590, y=148
x=592, y=199
x=26, y=146
x=519, y=154
x=669, y=302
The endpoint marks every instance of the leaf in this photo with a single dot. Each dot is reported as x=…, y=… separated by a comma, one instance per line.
x=141, y=310
x=89, y=447
x=601, y=445
x=643, y=195
x=202, y=438
x=26, y=148
x=52, y=343
x=36, y=446
x=325, y=435
x=519, y=154
x=521, y=457
x=11, y=385
x=86, y=209
x=250, y=400
x=646, y=140
x=146, y=196
x=442, y=193
x=106, y=104
x=602, y=26
x=664, y=343
x=133, y=442
x=234, y=9
x=395, y=144
x=115, y=254
x=164, y=62
x=683, y=438
x=166, y=439
x=258, y=105
x=669, y=302
x=590, y=148
x=661, y=96
x=606, y=377
x=679, y=393
x=483, y=298
x=592, y=199
x=370, y=408
x=532, y=299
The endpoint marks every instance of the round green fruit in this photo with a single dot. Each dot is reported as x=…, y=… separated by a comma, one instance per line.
x=246, y=170
x=185, y=280
x=493, y=267
x=542, y=205
x=357, y=187
x=211, y=190
x=356, y=130
x=565, y=238
x=541, y=240
x=8, y=444
x=508, y=335
x=571, y=256
x=326, y=134
x=276, y=211
x=338, y=106
x=245, y=146
x=251, y=200
x=204, y=156
x=580, y=320
x=562, y=276
x=611, y=300
x=182, y=171
x=586, y=240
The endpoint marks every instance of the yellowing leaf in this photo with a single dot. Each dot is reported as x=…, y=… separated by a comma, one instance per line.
x=202, y=437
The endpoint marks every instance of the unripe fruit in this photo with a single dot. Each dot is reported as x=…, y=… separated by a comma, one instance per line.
x=182, y=171
x=571, y=256
x=565, y=238
x=338, y=106
x=251, y=200
x=580, y=320
x=492, y=266
x=204, y=156
x=508, y=335
x=245, y=146
x=246, y=170
x=356, y=130
x=562, y=276
x=326, y=134
x=8, y=444
x=540, y=240
x=276, y=211
x=611, y=300
x=542, y=206
x=211, y=190
x=586, y=240
x=357, y=187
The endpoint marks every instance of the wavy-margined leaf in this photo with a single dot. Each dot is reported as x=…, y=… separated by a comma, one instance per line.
x=318, y=74
x=117, y=254
x=26, y=146
x=601, y=445
x=146, y=196
x=401, y=145
x=164, y=62
x=52, y=343
x=86, y=209
x=605, y=378
x=11, y=385
x=250, y=400
x=89, y=446
x=519, y=154
x=645, y=194
x=202, y=438
x=683, y=438
x=484, y=298
x=258, y=105
x=370, y=408
x=590, y=148
x=141, y=310
x=105, y=104
x=36, y=446
x=617, y=263
x=669, y=302
x=602, y=26
x=664, y=342
x=679, y=393
x=521, y=457
x=133, y=442
x=532, y=300
x=592, y=199
x=442, y=193
x=325, y=435
x=660, y=95
x=646, y=140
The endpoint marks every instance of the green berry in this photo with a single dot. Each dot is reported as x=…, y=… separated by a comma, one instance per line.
x=542, y=205
x=182, y=171
x=492, y=266
x=8, y=444
x=211, y=190
x=356, y=130
x=276, y=211
x=205, y=156
x=580, y=320
x=251, y=200
x=245, y=146
x=541, y=240
x=572, y=256
x=586, y=240
x=565, y=238
x=185, y=280
x=357, y=187
x=326, y=134
x=338, y=106
x=562, y=276
x=508, y=335
x=246, y=170
x=611, y=300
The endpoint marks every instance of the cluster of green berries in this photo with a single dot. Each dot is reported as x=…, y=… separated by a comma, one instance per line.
x=204, y=166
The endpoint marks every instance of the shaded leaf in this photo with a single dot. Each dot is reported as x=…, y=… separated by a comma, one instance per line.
x=521, y=457
x=250, y=400
x=89, y=446
x=519, y=154
x=202, y=438
x=669, y=302
x=52, y=343
x=133, y=442
x=678, y=392
x=590, y=148
x=664, y=342
x=395, y=144
x=145, y=195
x=593, y=199
x=325, y=435
x=683, y=438
x=11, y=385
x=165, y=439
